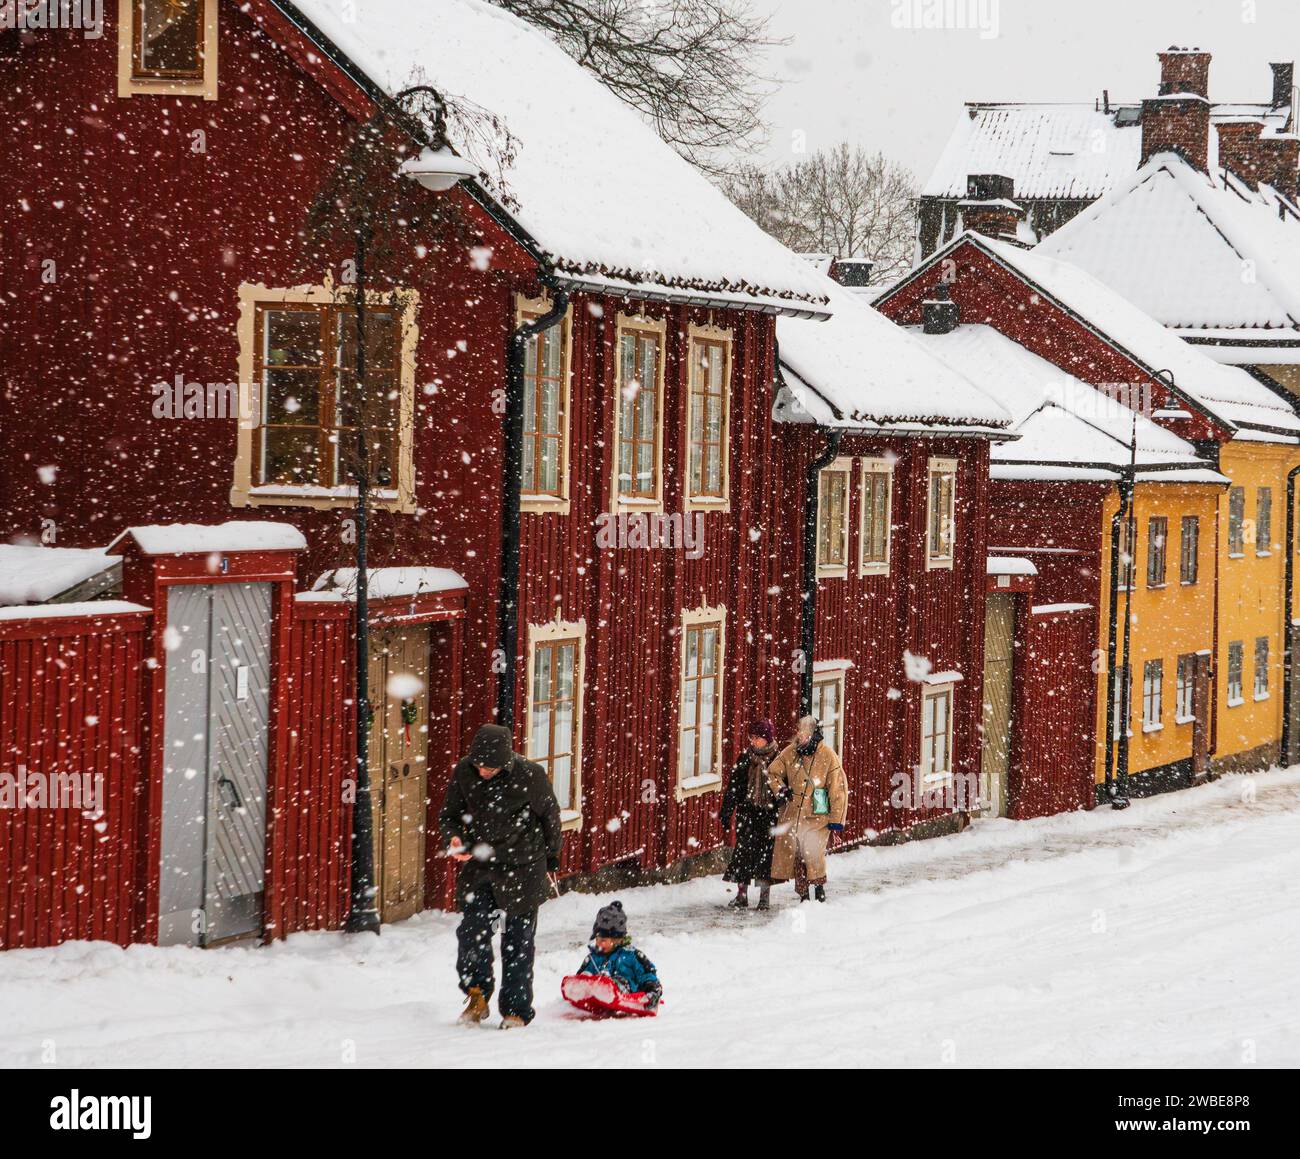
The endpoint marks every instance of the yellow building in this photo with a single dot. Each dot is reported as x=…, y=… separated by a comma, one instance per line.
x=1167, y=589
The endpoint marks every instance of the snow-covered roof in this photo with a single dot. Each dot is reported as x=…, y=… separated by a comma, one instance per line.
x=202, y=538
x=604, y=198
x=1228, y=393
x=384, y=583
x=859, y=370
x=1058, y=150
x=1196, y=252
x=94, y=608
x=1061, y=420
x=33, y=574
x=1009, y=565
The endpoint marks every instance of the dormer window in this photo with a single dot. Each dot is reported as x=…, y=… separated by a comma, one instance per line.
x=167, y=47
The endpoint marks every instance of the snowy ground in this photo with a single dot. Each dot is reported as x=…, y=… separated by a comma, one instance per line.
x=1167, y=935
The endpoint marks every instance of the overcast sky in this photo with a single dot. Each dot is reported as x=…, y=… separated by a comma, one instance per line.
x=849, y=74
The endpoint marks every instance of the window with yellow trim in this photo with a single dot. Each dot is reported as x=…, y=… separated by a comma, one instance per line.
x=167, y=48
x=640, y=410
x=545, y=412
x=833, y=519
x=699, y=741
x=554, y=711
x=941, y=532
x=707, y=418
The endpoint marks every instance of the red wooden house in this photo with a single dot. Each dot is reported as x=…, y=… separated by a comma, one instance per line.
x=174, y=353
x=888, y=447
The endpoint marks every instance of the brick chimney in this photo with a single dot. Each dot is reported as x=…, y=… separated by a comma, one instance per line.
x=990, y=207
x=1283, y=83
x=1178, y=119
x=1241, y=151
x=940, y=313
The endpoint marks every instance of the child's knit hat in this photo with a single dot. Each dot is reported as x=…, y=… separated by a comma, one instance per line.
x=611, y=922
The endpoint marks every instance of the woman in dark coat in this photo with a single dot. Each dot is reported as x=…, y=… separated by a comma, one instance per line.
x=748, y=798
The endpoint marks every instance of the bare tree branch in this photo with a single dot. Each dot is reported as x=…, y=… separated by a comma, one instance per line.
x=843, y=201
x=688, y=66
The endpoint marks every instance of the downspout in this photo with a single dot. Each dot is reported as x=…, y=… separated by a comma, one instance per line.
x=511, y=490
x=1288, y=631
x=1112, y=630
x=808, y=610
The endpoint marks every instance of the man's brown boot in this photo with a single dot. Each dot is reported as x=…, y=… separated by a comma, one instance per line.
x=476, y=1008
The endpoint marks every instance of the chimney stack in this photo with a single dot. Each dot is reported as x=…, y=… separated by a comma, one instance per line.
x=1283, y=83
x=941, y=315
x=990, y=208
x=1178, y=119
x=1241, y=151
x=852, y=273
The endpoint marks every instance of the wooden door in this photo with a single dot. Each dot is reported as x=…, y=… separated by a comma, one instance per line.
x=1201, y=711
x=995, y=756
x=399, y=745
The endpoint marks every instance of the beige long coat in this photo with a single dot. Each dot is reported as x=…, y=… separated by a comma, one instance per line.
x=799, y=831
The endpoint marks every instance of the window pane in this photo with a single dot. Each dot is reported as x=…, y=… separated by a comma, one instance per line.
x=291, y=338
x=562, y=780
x=170, y=37
x=291, y=397
x=539, y=731
x=290, y=456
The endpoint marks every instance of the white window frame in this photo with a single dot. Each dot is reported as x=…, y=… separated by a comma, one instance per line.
x=556, y=632
x=623, y=324
x=696, y=333
x=1235, y=699
x=130, y=85
x=1153, y=696
x=527, y=309
x=832, y=672
x=712, y=783
x=929, y=693
x=1263, y=521
x=872, y=469
x=842, y=466
x=1262, y=670
x=1185, y=689
x=933, y=561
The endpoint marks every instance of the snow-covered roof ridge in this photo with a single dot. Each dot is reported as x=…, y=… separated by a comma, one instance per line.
x=1196, y=252
x=601, y=195
x=1060, y=149
x=200, y=538
x=1232, y=396
x=1063, y=422
x=859, y=370
x=389, y=582
x=34, y=574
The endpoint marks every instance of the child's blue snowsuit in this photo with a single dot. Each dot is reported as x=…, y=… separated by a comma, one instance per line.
x=631, y=970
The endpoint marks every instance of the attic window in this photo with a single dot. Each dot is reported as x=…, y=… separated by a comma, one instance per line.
x=167, y=47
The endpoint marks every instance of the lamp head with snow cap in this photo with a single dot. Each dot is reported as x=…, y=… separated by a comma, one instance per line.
x=437, y=168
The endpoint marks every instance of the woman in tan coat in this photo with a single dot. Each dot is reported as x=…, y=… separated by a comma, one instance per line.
x=808, y=777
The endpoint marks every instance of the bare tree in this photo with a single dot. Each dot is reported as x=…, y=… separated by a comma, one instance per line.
x=688, y=66
x=842, y=201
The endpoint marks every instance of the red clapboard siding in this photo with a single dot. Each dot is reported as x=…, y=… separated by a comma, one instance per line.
x=70, y=703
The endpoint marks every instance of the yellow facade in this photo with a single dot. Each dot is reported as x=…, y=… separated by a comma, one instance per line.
x=1171, y=618
x=1251, y=596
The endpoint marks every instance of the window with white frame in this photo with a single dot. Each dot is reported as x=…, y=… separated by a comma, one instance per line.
x=1184, y=710
x=167, y=48
x=1120, y=702
x=1157, y=537
x=1235, y=664
x=936, y=731
x=1153, y=677
x=699, y=730
x=638, y=445
x=1261, y=668
x=1189, y=558
x=1264, y=521
x=544, y=483
x=833, y=519
x=828, y=703
x=1127, y=553
x=876, y=514
x=1236, y=521
x=555, y=710
x=708, y=417
x=942, y=508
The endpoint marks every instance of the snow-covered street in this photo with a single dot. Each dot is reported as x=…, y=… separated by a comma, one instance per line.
x=1167, y=935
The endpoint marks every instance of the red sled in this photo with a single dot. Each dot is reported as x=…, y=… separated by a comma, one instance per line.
x=598, y=995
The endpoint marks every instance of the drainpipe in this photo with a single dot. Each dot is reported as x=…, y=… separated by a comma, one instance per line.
x=511, y=488
x=1288, y=632
x=808, y=610
x=1112, y=630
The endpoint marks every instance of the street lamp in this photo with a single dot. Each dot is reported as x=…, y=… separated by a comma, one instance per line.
x=437, y=169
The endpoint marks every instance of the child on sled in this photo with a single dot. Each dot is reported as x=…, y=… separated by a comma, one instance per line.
x=614, y=978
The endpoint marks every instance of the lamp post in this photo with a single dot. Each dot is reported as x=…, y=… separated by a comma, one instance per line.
x=437, y=169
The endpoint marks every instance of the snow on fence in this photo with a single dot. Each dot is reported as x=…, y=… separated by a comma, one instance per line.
x=73, y=773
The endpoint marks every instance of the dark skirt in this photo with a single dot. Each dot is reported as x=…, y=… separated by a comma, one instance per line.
x=751, y=859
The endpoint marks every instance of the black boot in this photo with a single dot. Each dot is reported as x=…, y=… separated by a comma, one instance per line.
x=741, y=900
x=764, y=901
x=819, y=892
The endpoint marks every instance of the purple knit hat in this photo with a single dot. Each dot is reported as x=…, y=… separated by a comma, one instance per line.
x=763, y=728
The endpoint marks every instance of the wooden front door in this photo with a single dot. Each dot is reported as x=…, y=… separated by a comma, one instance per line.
x=1201, y=711
x=999, y=649
x=399, y=770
